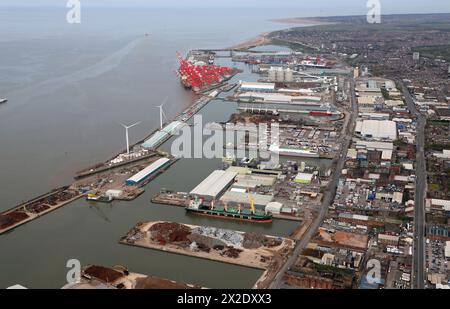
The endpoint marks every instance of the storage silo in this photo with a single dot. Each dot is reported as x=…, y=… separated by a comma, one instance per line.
x=289, y=75
x=272, y=74
x=280, y=75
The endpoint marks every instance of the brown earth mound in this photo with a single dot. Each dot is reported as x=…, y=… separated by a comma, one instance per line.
x=159, y=283
x=12, y=218
x=168, y=232
x=103, y=273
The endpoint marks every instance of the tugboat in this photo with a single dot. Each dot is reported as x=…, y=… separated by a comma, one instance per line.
x=95, y=198
x=196, y=206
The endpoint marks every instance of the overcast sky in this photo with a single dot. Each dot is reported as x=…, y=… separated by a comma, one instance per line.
x=329, y=7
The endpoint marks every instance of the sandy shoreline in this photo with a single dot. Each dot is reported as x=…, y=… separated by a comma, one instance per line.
x=264, y=38
x=307, y=21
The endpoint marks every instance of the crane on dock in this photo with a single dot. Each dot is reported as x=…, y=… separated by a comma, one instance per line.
x=252, y=202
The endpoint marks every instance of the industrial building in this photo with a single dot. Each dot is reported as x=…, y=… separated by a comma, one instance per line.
x=291, y=110
x=274, y=208
x=280, y=74
x=147, y=172
x=234, y=197
x=257, y=87
x=214, y=185
x=386, y=148
x=253, y=181
x=160, y=135
x=277, y=98
x=377, y=129
x=304, y=178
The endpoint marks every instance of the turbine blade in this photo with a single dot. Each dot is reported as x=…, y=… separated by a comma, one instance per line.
x=135, y=124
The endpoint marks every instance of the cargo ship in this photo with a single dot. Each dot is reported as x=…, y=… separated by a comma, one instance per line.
x=202, y=77
x=224, y=212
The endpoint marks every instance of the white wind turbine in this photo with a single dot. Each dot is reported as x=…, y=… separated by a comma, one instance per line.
x=161, y=113
x=126, y=134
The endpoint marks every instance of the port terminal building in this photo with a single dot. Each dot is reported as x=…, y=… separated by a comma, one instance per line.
x=147, y=172
x=214, y=185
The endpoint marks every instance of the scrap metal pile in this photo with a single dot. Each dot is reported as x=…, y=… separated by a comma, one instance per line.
x=229, y=243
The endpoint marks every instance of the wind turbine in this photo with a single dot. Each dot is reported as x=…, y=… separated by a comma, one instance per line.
x=161, y=113
x=126, y=134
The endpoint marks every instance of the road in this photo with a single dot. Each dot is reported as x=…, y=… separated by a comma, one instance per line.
x=420, y=193
x=328, y=196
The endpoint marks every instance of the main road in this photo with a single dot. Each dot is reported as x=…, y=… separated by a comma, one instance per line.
x=420, y=192
x=329, y=193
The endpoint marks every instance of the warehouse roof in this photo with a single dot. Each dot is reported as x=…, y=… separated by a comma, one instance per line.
x=148, y=170
x=215, y=183
x=383, y=129
x=254, y=180
x=243, y=198
x=303, y=177
x=256, y=85
x=155, y=139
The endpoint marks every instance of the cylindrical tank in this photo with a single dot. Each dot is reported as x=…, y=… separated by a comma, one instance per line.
x=280, y=75
x=288, y=75
x=272, y=74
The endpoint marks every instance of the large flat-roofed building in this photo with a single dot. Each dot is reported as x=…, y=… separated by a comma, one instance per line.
x=386, y=148
x=214, y=185
x=147, y=172
x=253, y=181
x=156, y=139
x=258, y=87
x=234, y=197
x=377, y=129
x=250, y=96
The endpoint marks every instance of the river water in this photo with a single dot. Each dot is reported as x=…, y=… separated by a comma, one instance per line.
x=68, y=87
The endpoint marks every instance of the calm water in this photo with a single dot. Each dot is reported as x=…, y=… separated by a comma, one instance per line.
x=68, y=87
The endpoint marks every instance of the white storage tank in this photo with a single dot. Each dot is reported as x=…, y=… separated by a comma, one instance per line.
x=280, y=75
x=289, y=75
x=272, y=75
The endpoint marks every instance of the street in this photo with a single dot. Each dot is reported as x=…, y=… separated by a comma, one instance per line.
x=328, y=196
x=420, y=192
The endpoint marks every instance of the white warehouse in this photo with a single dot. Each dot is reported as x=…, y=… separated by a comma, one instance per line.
x=377, y=129
x=214, y=185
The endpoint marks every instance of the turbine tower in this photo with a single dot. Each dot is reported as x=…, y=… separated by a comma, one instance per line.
x=126, y=134
x=161, y=114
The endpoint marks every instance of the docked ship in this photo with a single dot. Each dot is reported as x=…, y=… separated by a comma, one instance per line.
x=203, y=76
x=224, y=212
x=98, y=198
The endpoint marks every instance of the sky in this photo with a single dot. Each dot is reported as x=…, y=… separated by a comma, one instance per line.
x=322, y=7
